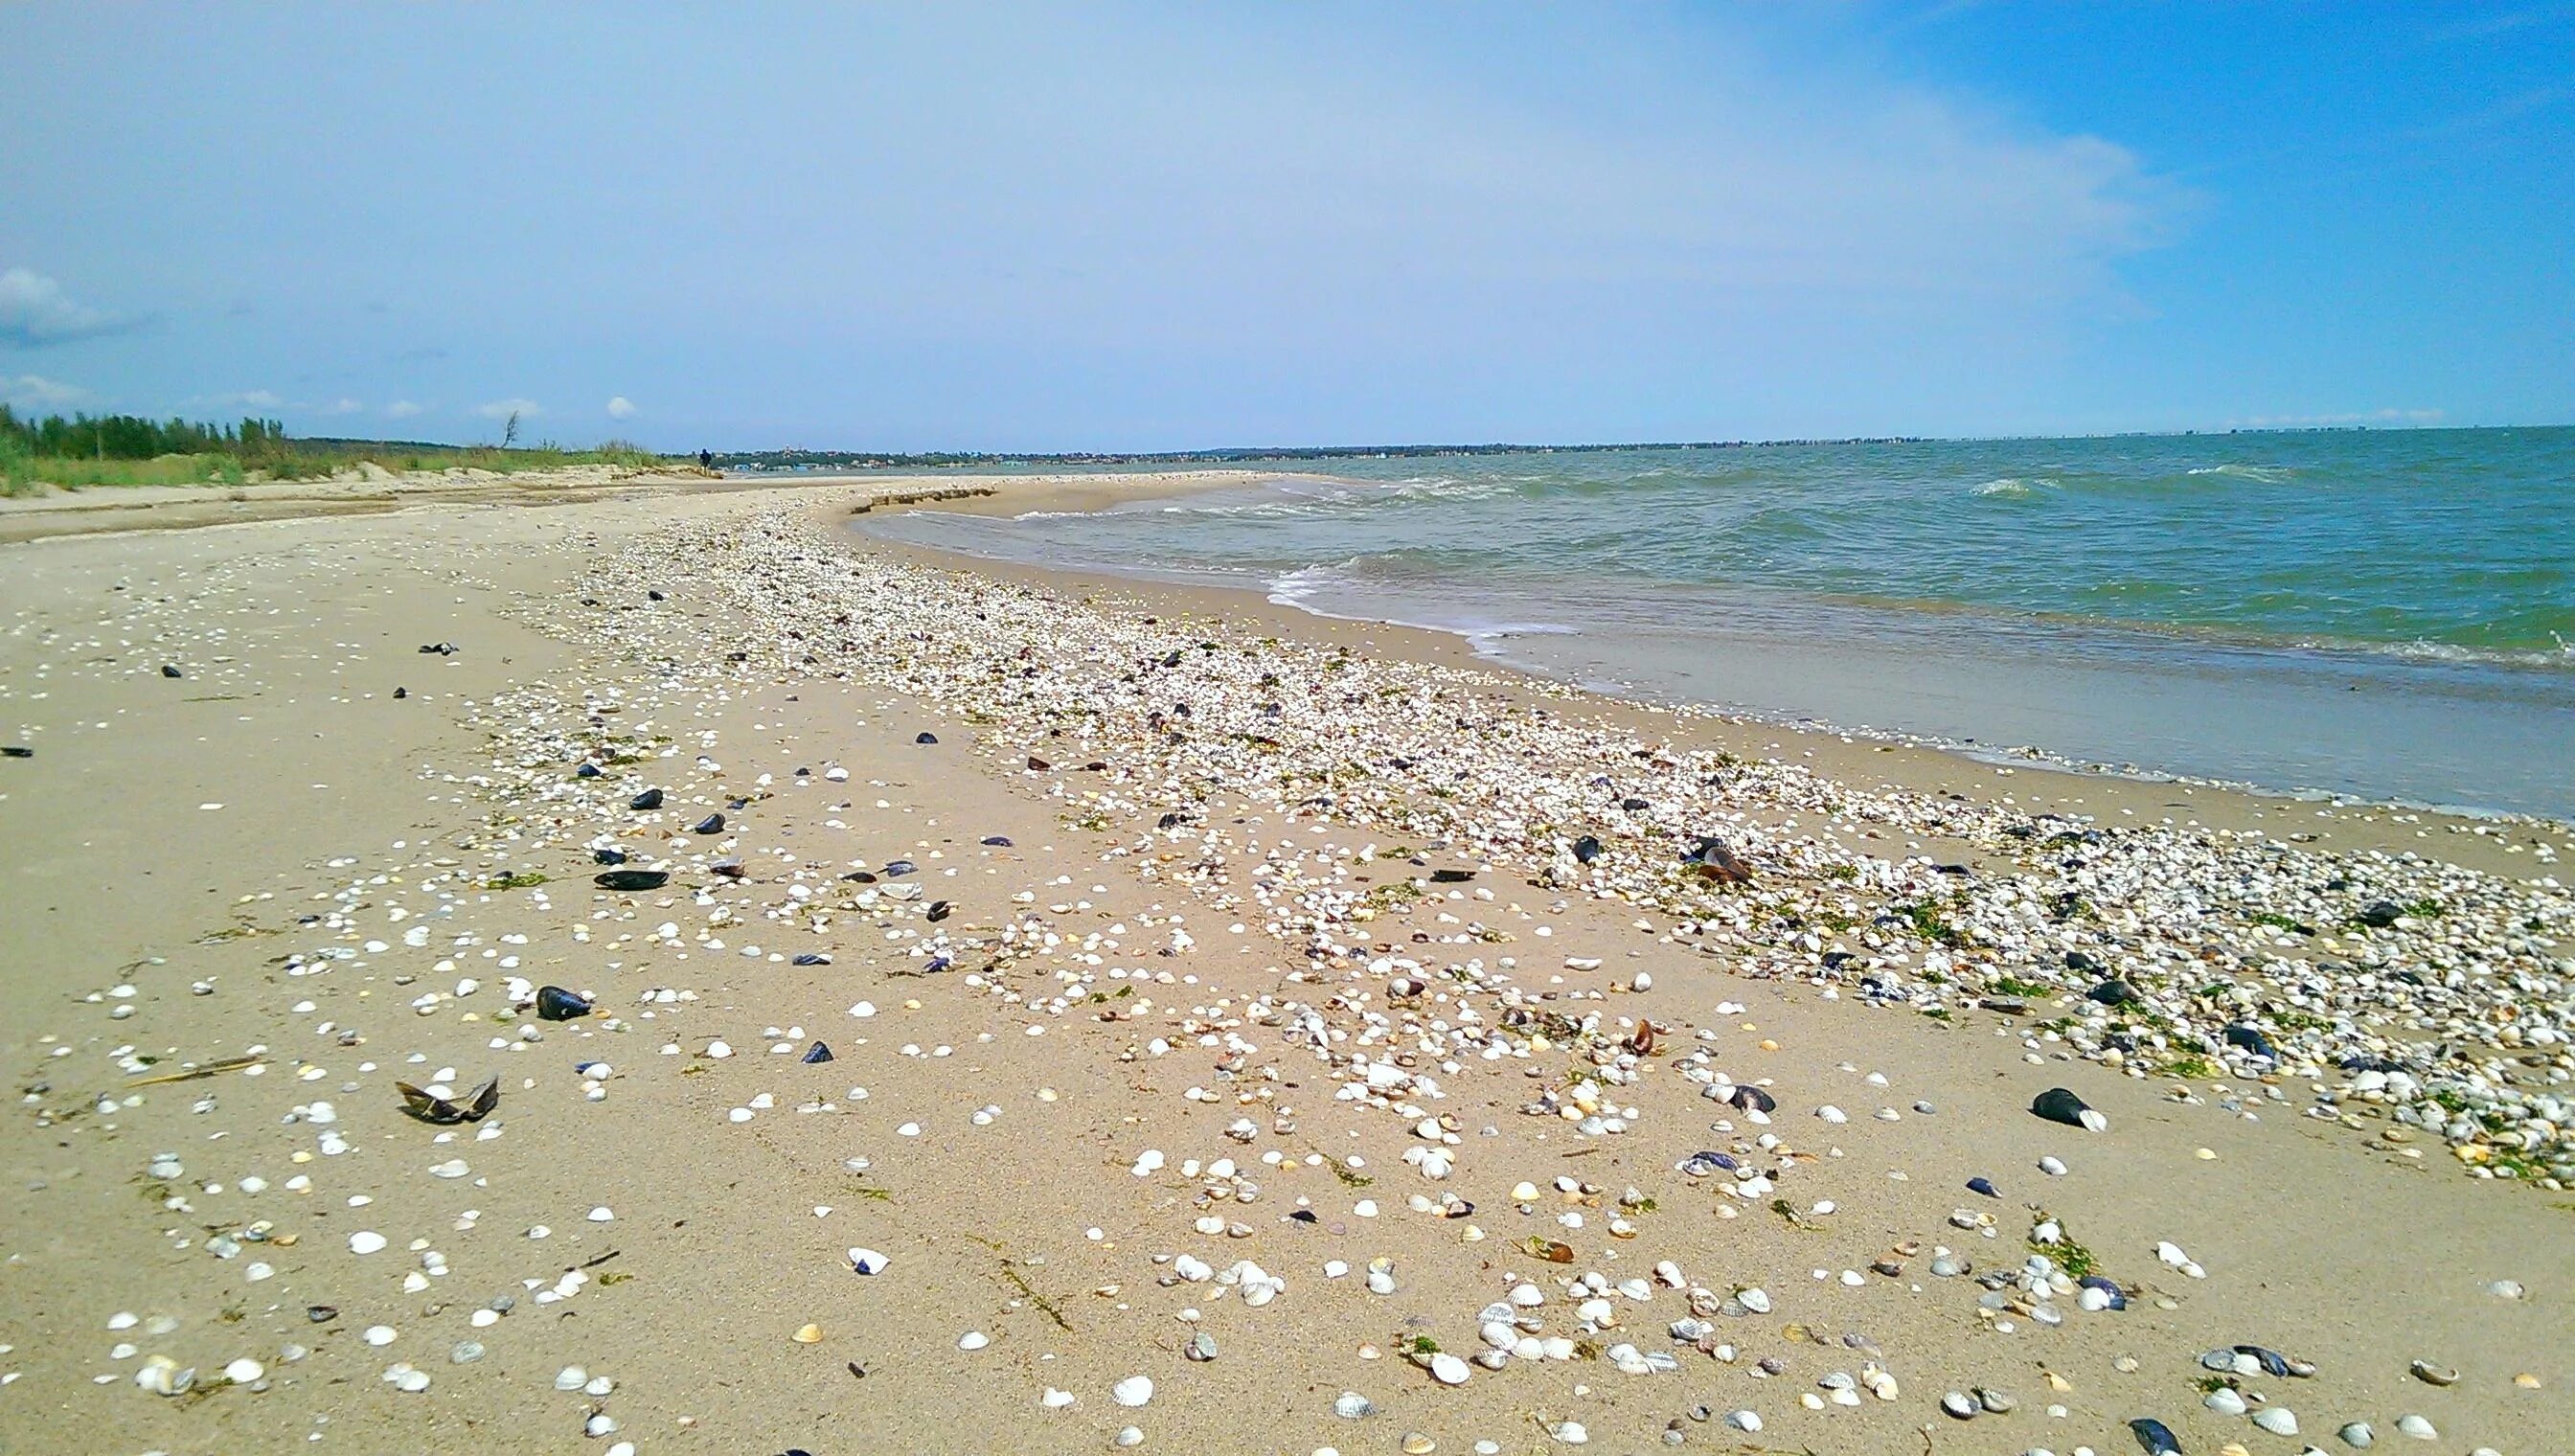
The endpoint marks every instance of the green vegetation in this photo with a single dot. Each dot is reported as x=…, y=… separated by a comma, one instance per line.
x=85, y=451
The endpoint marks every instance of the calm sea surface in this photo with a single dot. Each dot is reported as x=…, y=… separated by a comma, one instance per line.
x=2388, y=615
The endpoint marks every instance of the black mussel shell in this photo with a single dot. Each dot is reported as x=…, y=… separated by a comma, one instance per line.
x=938, y=909
x=998, y=841
x=171, y=670
x=1452, y=876
x=817, y=1053
x=1984, y=1186
x=859, y=877
x=2156, y=1437
x=2114, y=993
x=2249, y=1039
x=554, y=1003
x=474, y=1106
x=648, y=798
x=2118, y=1296
x=1586, y=848
x=898, y=867
x=711, y=825
x=811, y=958
x=632, y=879
x=1753, y=1100
x=2057, y=1105
x=925, y=738
x=608, y=857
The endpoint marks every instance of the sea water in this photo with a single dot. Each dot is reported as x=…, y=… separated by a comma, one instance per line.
x=2387, y=614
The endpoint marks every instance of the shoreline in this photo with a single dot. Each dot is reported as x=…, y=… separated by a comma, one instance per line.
x=1267, y=942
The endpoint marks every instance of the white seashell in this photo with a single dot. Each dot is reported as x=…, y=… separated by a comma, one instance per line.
x=366, y=1241
x=1571, y=1433
x=2052, y=1167
x=1527, y=1296
x=572, y=1377
x=1448, y=1369
x=1832, y=1115
x=1757, y=1300
x=1192, y=1268
x=380, y=1334
x=1744, y=1420
x=2224, y=1401
x=1055, y=1399
x=868, y=1261
x=2279, y=1420
x=1352, y=1406
x=2417, y=1427
x=973, y=1340
x=1127, y=1436
x=1135, y=1391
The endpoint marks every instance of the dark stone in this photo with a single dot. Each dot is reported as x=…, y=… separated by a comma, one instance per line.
x=2381, y=915
x=401, y=692
x=1586, y=848
x=631, y=880
x=711, y=825
x=1452, y=876
x=2077, y=960
x=655, y=596
x=17, y=751
x=1631, y=805
x=648, y=798
x=554, y=1003
x=2114, y=993
x=169, y=671
x=2009, y=1005
x=585, y=771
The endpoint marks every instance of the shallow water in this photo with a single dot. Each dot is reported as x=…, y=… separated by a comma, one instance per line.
x=2389, y=615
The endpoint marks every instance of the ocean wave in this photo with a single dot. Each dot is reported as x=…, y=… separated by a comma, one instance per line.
x=2269, y=475
x=2014, y=487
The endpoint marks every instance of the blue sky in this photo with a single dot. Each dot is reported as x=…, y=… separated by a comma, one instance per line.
x=1112, y=227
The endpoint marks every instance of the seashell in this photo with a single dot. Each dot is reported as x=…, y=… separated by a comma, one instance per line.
x=650, y=798
x=1744, y=1420
x=1133, y=1391
x=2054, y=1167
x=244, y=1371
x=1571, y=1433
x=366, y=1241
x=2156, y=1437
x=1984, y=1186
x=712, y=824
x=554, y=1003
x=2357, y=1436
x=816, y=1055
x=868, y=1261
x=2057, y=1105
x=1448, y=1369
x=2417, y=1427
x=2279, y=1420
x=1127, y=1436
x=474, y=1106
x=2225, y=1401
x=811, y=1335
x=631, y=880
x=1959, y=1406
x=1352, y=1406
x=2431, y=1374
x=1201, y=1347
x=1055, y=1399
x=1756, y=1301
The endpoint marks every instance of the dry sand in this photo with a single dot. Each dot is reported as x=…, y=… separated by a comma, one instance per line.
x=174, y=835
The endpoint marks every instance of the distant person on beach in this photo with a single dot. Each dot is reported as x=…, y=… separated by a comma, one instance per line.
x=706, y=460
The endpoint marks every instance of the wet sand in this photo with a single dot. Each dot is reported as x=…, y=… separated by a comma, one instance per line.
x=172, y=834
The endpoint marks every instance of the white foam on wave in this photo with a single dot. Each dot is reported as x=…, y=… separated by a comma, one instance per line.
x=2269, y=475
x=2013, y=488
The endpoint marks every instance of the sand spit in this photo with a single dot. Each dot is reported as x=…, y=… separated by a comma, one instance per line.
x=848, y=1005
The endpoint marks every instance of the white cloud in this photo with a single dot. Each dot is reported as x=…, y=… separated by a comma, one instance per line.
x=402, y=409
x=35, y=310
x=342, y=407
x=504, y=409
x=35, y=392
x=621, y=408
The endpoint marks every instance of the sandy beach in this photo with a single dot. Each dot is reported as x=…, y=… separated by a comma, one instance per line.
x=995, y=990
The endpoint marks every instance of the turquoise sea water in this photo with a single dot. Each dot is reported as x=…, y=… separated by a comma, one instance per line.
x=2383, y=613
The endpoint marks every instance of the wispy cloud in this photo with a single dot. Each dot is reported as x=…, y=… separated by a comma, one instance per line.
x=504, y=409
x=402, y=409
x=2356, y=417
x=621, y=408
x=35, y=392
x=35, y=310
x=240, y=400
